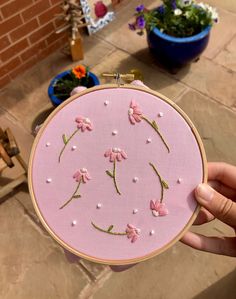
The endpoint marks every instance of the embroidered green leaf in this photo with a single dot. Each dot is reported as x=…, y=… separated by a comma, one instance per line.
x=154, y=124
x=65, y=140
x=110, y=228
x=165, y=185
x=109, y=173
x=76, y=196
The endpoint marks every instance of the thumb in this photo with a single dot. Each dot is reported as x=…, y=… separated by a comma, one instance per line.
x=221, y=207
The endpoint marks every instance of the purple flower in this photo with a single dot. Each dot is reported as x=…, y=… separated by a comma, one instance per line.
x=173, y=4
x=140, y=22
x=161, y=9
x=140, y=8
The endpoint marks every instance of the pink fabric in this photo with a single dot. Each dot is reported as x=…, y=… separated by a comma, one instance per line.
x=184, y=160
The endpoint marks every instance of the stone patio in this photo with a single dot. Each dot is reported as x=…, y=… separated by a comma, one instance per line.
x=32, y=264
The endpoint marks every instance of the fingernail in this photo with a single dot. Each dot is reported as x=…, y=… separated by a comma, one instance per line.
x=204, y=192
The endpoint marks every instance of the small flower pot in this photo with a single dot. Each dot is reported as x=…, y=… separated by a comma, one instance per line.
x=175, y=52
x=92, y=81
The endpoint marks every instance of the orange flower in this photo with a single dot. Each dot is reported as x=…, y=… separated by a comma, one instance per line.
x=79, y=71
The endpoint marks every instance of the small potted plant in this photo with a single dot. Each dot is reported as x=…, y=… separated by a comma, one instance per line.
x=177, y=31
x=64, y=83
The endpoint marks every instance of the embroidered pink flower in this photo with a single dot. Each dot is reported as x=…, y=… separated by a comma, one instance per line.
x=84, y=123
x=83, y=175
x=115, y=154
x=158, y=209
x=134, y=112
x=132, y=232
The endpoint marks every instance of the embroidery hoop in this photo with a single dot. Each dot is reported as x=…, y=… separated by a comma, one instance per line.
x=44, y=221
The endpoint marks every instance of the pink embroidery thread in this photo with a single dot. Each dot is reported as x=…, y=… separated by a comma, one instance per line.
x=83, y=124
x=81, y=176
x=115, y=154
x=136, y=115
x=158, y=209
x=132, y=232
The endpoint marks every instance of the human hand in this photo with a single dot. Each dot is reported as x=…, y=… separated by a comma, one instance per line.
x=216, y=203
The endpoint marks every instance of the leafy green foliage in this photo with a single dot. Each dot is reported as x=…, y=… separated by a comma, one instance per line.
x=177, y=18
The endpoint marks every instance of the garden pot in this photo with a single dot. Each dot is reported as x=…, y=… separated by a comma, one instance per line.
x=175, y=52
x=92, y=81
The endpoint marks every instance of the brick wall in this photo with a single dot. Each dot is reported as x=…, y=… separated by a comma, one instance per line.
x=27, y=34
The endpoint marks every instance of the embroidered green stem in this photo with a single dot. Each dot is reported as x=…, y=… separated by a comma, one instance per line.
x=164, y=185
x=74, y=195
x=113, y=176
x=154, y=125
x=108, y=231
x=66, y=141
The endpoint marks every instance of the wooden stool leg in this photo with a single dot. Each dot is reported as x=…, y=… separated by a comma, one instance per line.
x=22, y=163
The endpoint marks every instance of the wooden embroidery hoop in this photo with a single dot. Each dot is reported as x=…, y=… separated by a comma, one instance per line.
x=44, y=222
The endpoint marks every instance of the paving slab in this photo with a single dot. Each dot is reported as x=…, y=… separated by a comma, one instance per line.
x=32, y=264
x=211, y=79
x=221, y=33
x=227, y=57
x=26, y=96
x=122, y=62
x=215, y=123
x=226, y=4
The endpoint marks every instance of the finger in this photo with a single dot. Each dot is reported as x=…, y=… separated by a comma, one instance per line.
x=223, y=189
x=221, y=207
x=224, y=246
x=223, y=173
x=203, y=217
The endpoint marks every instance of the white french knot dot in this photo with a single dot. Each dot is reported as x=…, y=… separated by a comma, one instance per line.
x=160, y=114
x=135, y=211
x=99, y=205
x=149, y=140
x=106, y=103
x=74, y=222
x=48, y=180
x=138, y=230
x=179, y=181
x=48, y=144
x=152, y=232
x=115, y=132
x=135, y=179
x=73, y=147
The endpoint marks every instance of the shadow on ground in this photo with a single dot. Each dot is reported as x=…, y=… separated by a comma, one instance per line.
x=222, y=289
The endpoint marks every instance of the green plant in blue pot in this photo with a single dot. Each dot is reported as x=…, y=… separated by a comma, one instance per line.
x=178, y=31
x=70, y=82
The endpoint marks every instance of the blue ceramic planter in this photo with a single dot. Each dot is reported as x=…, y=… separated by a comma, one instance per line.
x=93, y=80
x=175, y=52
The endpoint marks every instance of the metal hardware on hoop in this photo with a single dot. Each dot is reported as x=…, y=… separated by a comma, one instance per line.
x=118, y=77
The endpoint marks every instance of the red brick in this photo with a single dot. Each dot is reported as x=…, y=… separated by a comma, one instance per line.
x=23, y=67
x=4, y=42
x=35, y=50
x=2, y=2
x=9, y=66
x=24, y=30
x=54, y=36
x=53, y=2
x=49, y=14
x=59, y=23
x=53, y=48
x=13, y=50
x=35, y=10
x=41, y=33
x=10, y=24
x=15, y=6
x=4, y=81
